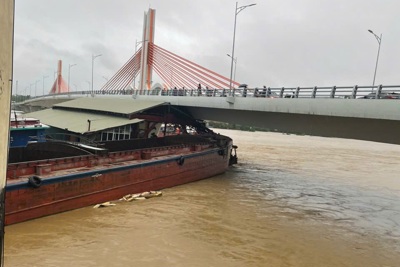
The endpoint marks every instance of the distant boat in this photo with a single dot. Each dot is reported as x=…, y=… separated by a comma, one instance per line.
x=25, y=130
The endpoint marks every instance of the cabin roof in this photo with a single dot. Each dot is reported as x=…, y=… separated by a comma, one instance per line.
x=88, y=114
x=101, y=113
x=80, y=122
x=110, y=105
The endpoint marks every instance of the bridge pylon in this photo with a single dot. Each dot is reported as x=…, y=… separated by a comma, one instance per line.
x=148, y=38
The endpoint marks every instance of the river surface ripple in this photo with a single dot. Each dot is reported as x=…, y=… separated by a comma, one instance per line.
x=291, y=201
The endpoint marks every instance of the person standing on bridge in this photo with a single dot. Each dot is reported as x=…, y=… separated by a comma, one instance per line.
x=199, y=90
x=208, y=91
x=268, y=92
x=264, y=91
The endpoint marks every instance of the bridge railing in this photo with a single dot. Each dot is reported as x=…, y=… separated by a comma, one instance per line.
x=350, y=92
x=347, y=92
x=336, y=92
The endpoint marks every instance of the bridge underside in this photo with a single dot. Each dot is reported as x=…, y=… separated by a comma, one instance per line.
x=361, y=128
x=326, y=126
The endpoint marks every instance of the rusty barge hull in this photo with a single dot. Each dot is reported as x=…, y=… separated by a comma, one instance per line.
x=76, y=182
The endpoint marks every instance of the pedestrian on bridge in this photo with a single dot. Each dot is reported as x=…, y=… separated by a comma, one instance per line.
x=182, y=91
x=264, y=91
x=208, y=91
x=268, y=92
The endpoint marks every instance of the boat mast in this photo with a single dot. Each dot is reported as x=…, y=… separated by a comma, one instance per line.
x=6, y=68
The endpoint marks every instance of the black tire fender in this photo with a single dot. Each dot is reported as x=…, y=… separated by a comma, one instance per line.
x=35, y=181
x=181, y=161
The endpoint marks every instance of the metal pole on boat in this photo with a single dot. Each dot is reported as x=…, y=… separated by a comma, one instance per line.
x=6, y=74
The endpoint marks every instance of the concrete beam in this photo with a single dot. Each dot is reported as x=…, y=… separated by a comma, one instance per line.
x=365, y=119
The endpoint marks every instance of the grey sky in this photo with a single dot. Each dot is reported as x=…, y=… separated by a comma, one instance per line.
x=278, y=43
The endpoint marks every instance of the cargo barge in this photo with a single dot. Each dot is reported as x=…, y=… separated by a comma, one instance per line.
x=52, y=177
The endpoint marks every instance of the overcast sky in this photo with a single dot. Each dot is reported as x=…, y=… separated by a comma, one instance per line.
x=278, y=43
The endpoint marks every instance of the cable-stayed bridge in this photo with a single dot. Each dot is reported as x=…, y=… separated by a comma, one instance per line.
x=358, y=112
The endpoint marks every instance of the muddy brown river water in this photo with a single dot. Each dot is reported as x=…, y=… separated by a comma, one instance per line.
x=291, y=201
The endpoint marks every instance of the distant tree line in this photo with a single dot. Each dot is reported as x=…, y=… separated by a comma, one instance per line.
x=233, y=126
x=224, y=125
x=20, y=98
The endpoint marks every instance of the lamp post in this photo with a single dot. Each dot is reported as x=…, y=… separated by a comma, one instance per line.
x=44, y=77
x=234, y=72
x=93, y=58
x=136, y=45
x=237, y=11
x=379, y=39
x=69, y=72
x=30, y=90
x=36, y=86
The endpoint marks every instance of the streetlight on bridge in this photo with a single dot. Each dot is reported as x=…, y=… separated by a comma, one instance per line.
x=379, y=39
x=237, y=11
x=36, y=87
x=30, y=90
x=69, y=71
x=44, y=77
x=93, y=58
x=26, y=91
x=235, y=60
x=137, y=43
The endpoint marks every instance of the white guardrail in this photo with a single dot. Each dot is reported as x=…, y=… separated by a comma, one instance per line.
x=337, y=92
